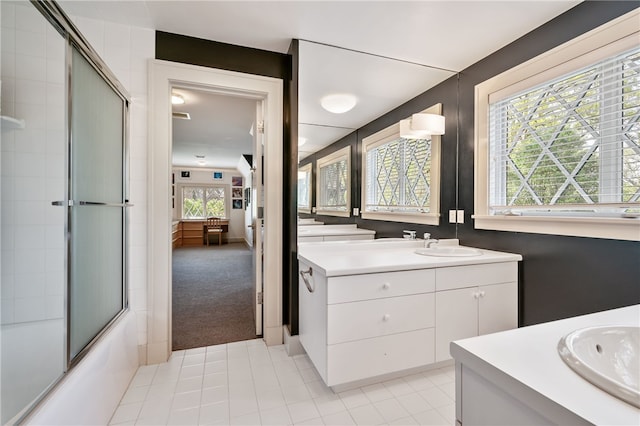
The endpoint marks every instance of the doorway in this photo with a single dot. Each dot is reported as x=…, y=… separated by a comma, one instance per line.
x=269, y=91
x=215, y=288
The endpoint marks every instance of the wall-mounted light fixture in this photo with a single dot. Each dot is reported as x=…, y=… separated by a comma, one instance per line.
x=422, y=125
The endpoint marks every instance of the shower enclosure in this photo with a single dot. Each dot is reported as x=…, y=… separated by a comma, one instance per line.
x=64, y=198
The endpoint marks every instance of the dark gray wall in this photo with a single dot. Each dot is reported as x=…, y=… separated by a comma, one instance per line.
x=559, y=276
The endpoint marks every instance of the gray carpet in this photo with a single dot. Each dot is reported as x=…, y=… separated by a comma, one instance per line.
x=212, y=295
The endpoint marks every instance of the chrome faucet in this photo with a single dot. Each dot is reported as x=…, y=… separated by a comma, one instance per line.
x=428, y=240
x=411, y=235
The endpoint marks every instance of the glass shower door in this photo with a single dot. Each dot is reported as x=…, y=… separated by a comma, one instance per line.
x=96, y=205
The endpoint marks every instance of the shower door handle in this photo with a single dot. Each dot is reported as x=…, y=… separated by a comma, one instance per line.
x=71, y=203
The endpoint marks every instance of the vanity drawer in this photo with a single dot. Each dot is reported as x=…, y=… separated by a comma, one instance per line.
x=374, y=286
x=475, y=275
x=367, y=358
x=379, y=317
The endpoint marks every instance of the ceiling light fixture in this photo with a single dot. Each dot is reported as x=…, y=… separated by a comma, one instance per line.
x=338, y=103
x=422, y=125
x=176, y=99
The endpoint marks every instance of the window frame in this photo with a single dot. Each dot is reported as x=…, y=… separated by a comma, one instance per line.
x=307, y=168
x=335, y=157
x=605, y=41
x=390, y=134
x=227, y=198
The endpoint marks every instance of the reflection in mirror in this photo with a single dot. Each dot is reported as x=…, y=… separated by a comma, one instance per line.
x=334, y=183
x=401, y=174
x=304, y=189
x=379, y=84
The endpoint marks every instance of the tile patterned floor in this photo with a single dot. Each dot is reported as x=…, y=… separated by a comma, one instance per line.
x=248, y=383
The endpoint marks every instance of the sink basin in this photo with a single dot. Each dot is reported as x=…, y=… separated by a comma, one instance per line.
x=445, y=251
x=608, y=357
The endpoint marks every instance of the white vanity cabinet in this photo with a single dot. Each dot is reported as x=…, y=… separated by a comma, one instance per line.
x=370, y=309
x=474, y=300
x=349, y=232
x=361, y=326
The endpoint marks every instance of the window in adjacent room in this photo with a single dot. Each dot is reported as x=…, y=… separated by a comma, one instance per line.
x=304, y=189
x=334, y=183
x=559, y=148
x=200, y=202
x=401, y=177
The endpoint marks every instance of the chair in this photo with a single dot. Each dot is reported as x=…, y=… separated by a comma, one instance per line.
x=214, y=228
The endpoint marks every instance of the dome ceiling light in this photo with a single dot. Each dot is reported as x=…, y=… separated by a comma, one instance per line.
x=338, y=103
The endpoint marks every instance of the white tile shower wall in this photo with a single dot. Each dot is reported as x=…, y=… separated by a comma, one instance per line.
x=33, y=168
x=127, y=50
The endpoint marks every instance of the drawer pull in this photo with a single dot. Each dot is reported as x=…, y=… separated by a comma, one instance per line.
x=305, y=277
x=386, y=317
x=386, y=286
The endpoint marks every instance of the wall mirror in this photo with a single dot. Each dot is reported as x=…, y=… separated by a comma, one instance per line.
x=377, y=85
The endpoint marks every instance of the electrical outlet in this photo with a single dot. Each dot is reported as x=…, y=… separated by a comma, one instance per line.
x=460, y=216
x=313, y=210
x=356, y=211
x=452, y=216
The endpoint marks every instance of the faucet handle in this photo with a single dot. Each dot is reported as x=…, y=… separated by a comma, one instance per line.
x=412, y=234
x=426, y=235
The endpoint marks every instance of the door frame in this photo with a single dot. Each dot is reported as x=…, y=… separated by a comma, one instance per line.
x=162, y=76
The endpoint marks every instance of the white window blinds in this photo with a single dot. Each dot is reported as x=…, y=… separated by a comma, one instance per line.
x=571, y=144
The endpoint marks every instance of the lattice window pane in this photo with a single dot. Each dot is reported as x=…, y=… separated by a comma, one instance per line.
x=398, y=176
x=570, y=142
x=334, y=185
x=199, y=202
x=215, y=202
x=304, y=189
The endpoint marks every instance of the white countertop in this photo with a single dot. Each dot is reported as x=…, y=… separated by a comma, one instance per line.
x=364, y=257
x=529, y=355
x=327, y=230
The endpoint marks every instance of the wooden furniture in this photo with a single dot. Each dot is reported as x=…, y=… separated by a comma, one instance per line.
x=194, y=232
x=213, y=228
x=176, y=234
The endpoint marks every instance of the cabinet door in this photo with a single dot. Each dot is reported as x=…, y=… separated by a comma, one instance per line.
x=456, y=318
x=498, y=308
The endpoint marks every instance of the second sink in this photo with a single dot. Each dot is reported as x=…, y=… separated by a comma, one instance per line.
x=608, y=357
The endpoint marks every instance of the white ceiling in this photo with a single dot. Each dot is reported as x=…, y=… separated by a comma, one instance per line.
x=401, y=39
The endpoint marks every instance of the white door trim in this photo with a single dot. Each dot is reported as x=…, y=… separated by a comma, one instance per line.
x=162, y=76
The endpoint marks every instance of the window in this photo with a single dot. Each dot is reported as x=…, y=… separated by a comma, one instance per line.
x=558, y=150
x=304, y=189
x=199, y=202
x=401, y=177
x=334, y=183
